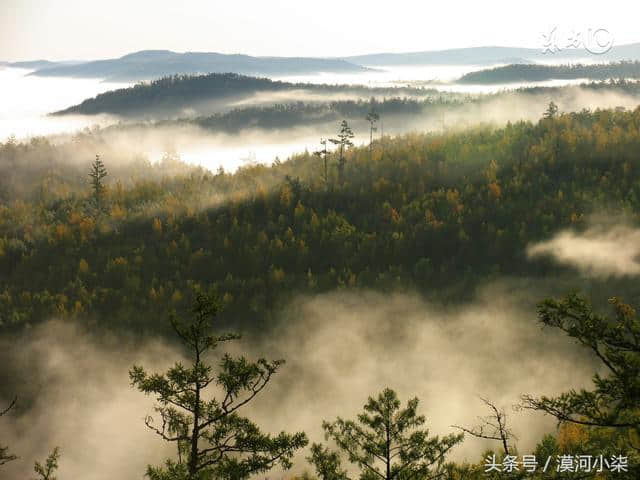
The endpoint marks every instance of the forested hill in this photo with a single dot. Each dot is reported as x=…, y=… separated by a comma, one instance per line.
x=414, y=110
x=181, y=92
x=535, y=73
x=152, y=64
x=425, y=211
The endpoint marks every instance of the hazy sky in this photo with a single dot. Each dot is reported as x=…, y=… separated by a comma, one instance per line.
x=82, y=29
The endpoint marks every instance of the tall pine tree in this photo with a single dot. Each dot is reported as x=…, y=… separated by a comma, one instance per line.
x=211, y=436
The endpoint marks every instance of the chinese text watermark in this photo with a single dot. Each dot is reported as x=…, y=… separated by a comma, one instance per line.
x=559, y=463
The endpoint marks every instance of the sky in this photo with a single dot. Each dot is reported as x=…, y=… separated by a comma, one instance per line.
x=90, y=29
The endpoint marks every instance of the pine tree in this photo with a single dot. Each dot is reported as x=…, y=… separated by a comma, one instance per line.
x=47, y=470
x=97, y=174
x=385, y=442
x=343, y=141
x=214, y=439
x=551, y=111
x=322, y=154
x=372, y=117
x=615, y=399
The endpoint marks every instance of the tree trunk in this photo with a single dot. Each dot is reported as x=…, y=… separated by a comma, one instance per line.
x=193, y=458
x=326, y=171
x=388, y=453
x=341, y=163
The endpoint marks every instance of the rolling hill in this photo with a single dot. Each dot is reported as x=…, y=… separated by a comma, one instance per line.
x=492, y=55
x=151, y=64
x=536, y=73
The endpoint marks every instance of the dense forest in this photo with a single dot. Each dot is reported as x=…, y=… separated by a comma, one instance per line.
x=536, y=73
x=180, y=92
x=122, y=248
x=292, y=241
x=403, y=108
x=298, y=114
x=431, y=209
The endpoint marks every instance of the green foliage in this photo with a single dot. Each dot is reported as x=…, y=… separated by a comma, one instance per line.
x=446, y=211
x=323, y=155
x=97, y=174
x=537, y=73
x=216, y=441
x=327, y=463
x=47, y=470
x=551, y=111
x=615, y=399
x=5, y=456
x=372, y=117
x=385, y=442
x=605, y=419
x=176, y=93
x=343, y=141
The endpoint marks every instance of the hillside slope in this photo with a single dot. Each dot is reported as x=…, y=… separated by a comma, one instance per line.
x=426, y=211
x=152, y=64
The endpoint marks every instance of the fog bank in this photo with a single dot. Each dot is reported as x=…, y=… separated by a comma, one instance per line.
x=340, y=348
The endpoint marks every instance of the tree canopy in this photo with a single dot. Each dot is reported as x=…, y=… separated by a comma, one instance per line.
x=386, y=442
x=211, y=436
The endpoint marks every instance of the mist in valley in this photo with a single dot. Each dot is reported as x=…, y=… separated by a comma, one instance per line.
x=340, y=348
x=71, y=375
x=200, y=146
x=26, y=101
x=608, y=248
x=230, y=150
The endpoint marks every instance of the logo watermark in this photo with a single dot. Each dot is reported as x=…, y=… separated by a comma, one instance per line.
x=594, y=40
x=558, y=463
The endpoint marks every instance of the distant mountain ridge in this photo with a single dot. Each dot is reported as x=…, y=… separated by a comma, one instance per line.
x=152, y=64
x=38, y=64
x=493, y=55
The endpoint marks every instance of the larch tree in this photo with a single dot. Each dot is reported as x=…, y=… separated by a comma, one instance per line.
x=343, y=141
x=212, y=439
x=322, y=155
x=385, y=442
x=372, y=117
x=551, y=111
x=97, y=174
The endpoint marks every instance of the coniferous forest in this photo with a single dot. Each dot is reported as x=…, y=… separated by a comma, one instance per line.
x=422, y=278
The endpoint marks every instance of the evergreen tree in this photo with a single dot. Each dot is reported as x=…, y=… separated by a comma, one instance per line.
x=343, y=141
x=551, y=111
x=216, y=441
x=385, y=442
x=97, y=174
x=322, y=154
x=47, y=470
x=615, y=399
x=372, y=117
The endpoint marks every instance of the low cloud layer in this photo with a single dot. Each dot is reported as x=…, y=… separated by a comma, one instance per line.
x=601, y=251
x=73, y=392
x=340, y=348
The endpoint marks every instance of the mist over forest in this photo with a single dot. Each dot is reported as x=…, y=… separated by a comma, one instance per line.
x=404, y=266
